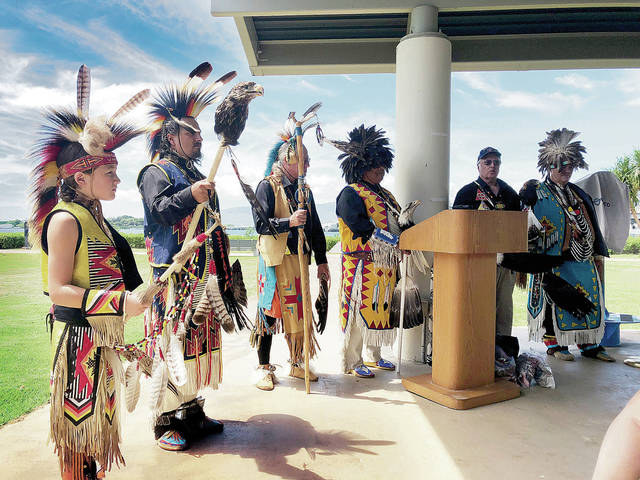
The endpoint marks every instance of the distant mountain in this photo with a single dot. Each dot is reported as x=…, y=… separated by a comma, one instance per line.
x=231, y=217
x=241, y=216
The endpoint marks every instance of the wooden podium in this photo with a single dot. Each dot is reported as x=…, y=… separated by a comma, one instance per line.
x=465, y=243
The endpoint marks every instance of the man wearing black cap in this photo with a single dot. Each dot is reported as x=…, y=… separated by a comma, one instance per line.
x=488, y=192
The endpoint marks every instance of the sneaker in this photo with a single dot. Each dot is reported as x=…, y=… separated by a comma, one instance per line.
x=298, y=372
x=266, y=382
x=173, y=441
x=381, y=364
x=362, y=371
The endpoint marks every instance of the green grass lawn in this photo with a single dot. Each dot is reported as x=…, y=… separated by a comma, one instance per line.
x=622, y=273
x=24, y=340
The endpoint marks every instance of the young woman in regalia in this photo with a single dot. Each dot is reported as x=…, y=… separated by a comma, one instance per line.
x=88, y=271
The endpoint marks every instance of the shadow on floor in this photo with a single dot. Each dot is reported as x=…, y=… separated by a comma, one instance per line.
x=269, y=439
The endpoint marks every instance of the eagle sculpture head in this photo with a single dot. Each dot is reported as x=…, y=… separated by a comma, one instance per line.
x=232, y=113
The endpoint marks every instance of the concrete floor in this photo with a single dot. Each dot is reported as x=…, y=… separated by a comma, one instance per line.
x=364, y=428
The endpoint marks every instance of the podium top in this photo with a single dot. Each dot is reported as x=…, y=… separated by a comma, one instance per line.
x=469, y=232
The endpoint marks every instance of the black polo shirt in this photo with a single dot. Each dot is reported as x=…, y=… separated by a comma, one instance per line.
x=473, y=194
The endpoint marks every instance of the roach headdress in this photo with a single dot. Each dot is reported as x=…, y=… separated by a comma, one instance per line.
x=558, y=150
x=285, y=147
x=366, y=148
x=171, y=103
x=71, y=142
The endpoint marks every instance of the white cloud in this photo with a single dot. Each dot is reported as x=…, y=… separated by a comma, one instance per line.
x=554, y=102
x=576, y=80
x=99, y=38
x=307, y=85
x=192, y=19
x=629, y=84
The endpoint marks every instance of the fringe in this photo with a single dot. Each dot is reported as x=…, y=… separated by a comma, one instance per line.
x=521, y=280
x=95, y=438
x=108, y=330
x=210, y=374
x=384, y=254
x=355, y=301
x=571, y=337
x=377, y=338
x=295, y=341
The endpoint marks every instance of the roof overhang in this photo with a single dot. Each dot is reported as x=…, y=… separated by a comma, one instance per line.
x=283, y=37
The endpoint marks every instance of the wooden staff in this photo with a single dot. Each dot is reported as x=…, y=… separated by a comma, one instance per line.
x=304, y=265
x=198, y=211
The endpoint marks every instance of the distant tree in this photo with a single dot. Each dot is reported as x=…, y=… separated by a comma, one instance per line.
x=250, y=232
x=627, y=169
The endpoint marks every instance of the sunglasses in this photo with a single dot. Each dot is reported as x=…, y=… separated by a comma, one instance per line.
x=489, y=161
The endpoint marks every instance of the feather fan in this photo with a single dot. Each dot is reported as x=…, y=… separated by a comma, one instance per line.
x=239, y=289
x=322, y=305
x=566, y=296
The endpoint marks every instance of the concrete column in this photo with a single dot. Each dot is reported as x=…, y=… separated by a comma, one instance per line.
x=423, y=115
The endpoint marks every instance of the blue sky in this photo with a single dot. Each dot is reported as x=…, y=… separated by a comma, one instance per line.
x=135, y=44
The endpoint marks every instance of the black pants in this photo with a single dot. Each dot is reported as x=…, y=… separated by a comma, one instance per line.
x=547, y=323
x=264, y=349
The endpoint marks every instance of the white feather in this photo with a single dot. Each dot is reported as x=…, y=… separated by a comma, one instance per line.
x=175, y=361
x=132, y=386
x=158, y=384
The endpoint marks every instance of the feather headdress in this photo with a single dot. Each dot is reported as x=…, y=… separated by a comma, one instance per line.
x=71, y=142
x=366, y=148
x=175, y=102
x=288, y=135
x=558, y=150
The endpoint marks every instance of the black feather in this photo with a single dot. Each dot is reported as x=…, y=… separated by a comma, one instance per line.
x=202, y=71
x=367, y=148
x=253, y=200
x=566, y=296
x=239, y=289
x=413, y=314
x=322, y=306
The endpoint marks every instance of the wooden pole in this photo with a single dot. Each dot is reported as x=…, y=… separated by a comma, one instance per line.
x=304, y=265
x=198, y=211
